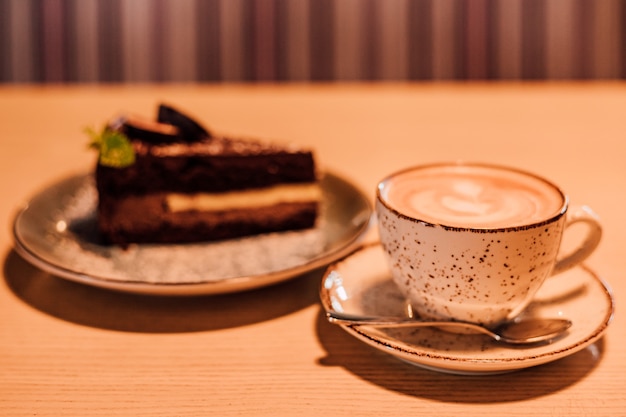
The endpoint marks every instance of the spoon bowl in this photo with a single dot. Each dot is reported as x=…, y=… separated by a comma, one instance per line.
x=516, y=332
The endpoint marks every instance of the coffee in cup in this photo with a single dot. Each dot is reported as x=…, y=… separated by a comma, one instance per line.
x=474, y=242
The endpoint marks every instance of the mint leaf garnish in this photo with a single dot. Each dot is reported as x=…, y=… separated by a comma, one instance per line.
x=115, y=149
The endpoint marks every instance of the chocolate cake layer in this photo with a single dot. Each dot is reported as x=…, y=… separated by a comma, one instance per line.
x=215, y=164
x=145, y=219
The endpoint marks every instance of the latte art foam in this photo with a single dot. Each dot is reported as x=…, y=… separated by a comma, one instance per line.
x=472, y=196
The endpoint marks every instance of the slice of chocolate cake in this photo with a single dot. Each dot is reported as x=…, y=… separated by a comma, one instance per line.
x=185, y=184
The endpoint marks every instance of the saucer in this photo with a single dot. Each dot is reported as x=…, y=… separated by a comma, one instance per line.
x=56, y=231
x=361, y=284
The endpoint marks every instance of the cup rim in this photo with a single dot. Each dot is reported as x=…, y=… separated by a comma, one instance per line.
x=560, y=213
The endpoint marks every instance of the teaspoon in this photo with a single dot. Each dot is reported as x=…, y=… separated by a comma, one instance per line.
x=518, y=332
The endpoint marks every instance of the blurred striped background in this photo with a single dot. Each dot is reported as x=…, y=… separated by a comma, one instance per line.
x=310, y=40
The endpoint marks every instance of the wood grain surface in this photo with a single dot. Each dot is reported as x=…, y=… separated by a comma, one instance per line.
x=67, y=349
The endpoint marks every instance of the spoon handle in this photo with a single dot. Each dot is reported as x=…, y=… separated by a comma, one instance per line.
x=353, y=320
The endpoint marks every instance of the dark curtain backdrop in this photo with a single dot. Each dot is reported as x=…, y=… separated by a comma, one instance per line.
x=310, y=40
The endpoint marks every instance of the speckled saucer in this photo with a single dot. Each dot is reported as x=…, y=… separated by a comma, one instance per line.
x=362, y=284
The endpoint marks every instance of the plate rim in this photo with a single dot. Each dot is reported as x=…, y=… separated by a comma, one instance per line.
x=207, y=287
x=466, y=366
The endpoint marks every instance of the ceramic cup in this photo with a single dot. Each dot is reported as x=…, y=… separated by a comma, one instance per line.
x=474, y=242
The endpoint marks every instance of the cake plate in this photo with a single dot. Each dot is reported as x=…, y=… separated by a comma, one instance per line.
x=56, y=232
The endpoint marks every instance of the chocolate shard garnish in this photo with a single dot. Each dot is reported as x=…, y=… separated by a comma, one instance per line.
x=149, y=131
x=190, y=130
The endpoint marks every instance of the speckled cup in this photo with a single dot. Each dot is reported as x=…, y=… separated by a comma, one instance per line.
x=481, y=275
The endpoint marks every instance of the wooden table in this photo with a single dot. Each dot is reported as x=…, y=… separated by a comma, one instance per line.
x=73, y=350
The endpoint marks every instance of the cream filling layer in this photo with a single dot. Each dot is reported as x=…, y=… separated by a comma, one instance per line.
x=262, y=197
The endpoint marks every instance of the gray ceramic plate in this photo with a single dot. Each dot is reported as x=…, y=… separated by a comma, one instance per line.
x=56, y=232
x=361, y=284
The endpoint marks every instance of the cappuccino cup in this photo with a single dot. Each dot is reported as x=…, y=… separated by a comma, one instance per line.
x=474, y=242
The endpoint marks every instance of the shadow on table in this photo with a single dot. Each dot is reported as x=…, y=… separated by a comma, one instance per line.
x=392, y=374
x=113, y=310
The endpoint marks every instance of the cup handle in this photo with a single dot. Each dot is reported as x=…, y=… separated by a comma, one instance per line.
x=581, y=214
